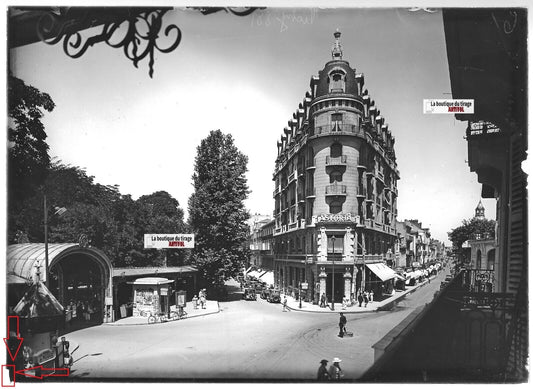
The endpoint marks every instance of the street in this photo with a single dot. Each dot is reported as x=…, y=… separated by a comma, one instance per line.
x=245, y=340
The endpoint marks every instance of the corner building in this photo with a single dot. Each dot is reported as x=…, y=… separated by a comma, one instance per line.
x=335, y=190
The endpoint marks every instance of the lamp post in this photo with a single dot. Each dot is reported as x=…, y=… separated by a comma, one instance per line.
x=333, y=276
x=59, y=211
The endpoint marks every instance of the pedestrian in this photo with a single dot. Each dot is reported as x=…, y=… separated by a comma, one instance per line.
x=344, y=302
x=203, y=301
x=372, y=296
x=284, y=303
x=195, y=302
x=342, y=325
x=365, y=298
x=322, y=374
x=323, y=301
x=360, y=299
x=335, y=370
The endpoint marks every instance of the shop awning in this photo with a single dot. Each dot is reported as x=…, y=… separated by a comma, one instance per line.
x=267, y=277
x=381, y=270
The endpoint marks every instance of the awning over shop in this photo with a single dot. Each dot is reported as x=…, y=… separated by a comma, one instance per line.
x=381, y=270
x=267, y=277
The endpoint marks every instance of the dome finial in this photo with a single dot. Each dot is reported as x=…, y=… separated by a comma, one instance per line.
x=480, y=211
x=336, y=51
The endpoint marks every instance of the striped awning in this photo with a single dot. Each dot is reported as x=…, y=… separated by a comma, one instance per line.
x=381, y=270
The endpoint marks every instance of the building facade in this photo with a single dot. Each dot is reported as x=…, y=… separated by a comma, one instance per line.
x=261, y=244
x=335, y=188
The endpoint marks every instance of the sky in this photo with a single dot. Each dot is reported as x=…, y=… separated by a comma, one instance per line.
x=246, y=76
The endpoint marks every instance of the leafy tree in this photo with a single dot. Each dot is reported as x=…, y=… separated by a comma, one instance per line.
x=469, y=229
x=28, y=158
x=217, y=213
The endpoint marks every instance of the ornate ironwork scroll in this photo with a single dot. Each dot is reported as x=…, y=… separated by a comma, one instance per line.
x=136, y=31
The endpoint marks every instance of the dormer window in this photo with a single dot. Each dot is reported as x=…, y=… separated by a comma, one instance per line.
x=336, y=81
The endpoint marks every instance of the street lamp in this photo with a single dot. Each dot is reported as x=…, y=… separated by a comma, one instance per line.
x=58, y=211
x=333, y=276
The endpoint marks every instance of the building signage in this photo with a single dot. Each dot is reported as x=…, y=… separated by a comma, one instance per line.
x=337, y=218
x=305, y=285
x=164, y=291
x=168, y=241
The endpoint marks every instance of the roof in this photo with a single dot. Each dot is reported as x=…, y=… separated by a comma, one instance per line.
x=38, y=301
x=24, y=259
x=152, y=281
x=140, y=271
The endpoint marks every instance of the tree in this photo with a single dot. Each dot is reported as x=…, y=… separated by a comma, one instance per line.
x=217, y=213
x=28, y=159
x=469, y=229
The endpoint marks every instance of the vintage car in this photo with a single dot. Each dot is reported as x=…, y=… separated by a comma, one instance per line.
x=249, y=294
x=264, y=293
x=274, y=296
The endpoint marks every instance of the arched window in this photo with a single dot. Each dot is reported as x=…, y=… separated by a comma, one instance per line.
x=491, y=259
x=336, y=81
x=478, y=259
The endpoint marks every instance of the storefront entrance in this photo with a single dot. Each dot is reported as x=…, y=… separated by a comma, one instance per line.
x=338, y=286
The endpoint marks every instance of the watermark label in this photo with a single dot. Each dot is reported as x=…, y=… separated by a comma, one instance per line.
x=168, y=241
x=453, y=106
x=283, y=19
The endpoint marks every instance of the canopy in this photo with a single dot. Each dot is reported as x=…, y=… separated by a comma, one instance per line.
x=267, y=277
x=381, y=270
x=152, y=281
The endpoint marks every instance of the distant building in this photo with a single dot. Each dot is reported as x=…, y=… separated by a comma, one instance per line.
x=335, y=188
x=261, y=244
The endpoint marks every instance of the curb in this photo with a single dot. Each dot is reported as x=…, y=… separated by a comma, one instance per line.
x=382, y=307
x=165, y=322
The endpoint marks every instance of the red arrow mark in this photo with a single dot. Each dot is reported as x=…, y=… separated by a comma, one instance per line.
x=40, y=372
x=13, y=344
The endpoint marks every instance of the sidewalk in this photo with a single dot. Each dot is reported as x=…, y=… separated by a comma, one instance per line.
x=294, y=305
x=211, y=308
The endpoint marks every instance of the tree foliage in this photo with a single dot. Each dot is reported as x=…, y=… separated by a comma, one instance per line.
x=113, y=223
x=28, y=158
x=217, y=213
x=469, y=229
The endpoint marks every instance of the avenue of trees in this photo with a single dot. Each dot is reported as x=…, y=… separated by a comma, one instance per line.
x=116, y=223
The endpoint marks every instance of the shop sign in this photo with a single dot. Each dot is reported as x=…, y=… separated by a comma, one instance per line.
x=305, y=285
x=168, y=241
x=337, y=218
x=164, y=291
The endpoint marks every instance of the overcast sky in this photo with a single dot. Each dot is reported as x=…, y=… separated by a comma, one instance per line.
x=246, y=76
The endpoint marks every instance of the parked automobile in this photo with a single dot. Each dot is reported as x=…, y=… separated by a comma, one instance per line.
x=264, y=293
x=274, y=296
x=249, y=294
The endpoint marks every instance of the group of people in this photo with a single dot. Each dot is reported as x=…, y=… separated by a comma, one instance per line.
x=201, y=299
x=334, y=373
x=362, y=298
x=79, y=310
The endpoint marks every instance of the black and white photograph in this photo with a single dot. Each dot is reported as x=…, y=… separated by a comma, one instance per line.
x=301, y=192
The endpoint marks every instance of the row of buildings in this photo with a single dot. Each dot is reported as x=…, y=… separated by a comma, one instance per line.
x=334, y=226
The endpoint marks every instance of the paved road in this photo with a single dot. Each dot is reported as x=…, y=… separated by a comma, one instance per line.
x=246, y=340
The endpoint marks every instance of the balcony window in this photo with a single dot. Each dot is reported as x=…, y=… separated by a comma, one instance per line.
x=336, y=117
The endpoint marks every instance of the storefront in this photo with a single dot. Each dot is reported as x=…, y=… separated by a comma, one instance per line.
x=151, y=295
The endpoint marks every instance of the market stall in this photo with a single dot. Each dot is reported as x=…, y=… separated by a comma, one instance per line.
x=151, y=296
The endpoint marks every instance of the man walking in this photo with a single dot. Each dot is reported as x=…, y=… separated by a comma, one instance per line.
x=284, y=303
x=342, y=325
x=323, y=301
x=322, y=374
x=335, y=370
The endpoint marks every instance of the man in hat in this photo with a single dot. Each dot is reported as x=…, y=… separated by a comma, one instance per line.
x=342, y=325
x=322, y=374
x=335, y=370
